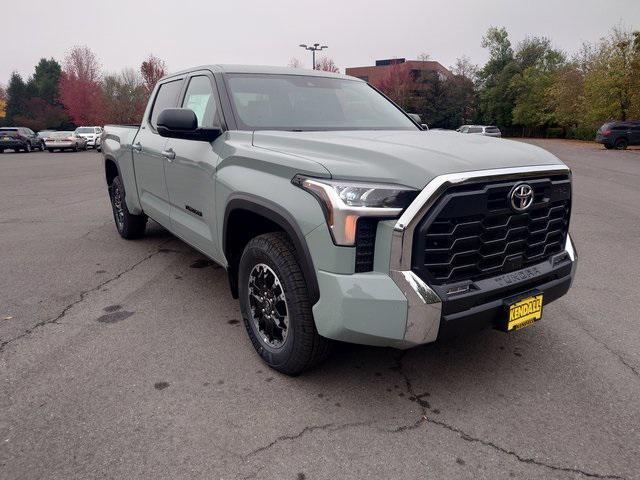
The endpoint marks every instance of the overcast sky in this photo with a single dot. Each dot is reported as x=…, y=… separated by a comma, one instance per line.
x=195, y=32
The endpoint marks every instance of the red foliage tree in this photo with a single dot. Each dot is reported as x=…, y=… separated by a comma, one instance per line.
x=152, y=70
x=80, y=90
x=397, y=83
x=326, y=64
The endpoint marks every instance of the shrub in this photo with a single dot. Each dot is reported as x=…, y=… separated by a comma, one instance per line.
x=582, y=133
x=555, y=132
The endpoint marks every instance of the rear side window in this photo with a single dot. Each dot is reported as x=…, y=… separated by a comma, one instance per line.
x=200, y=99
x=166, y=98
x=492, y=130
x=475, y=129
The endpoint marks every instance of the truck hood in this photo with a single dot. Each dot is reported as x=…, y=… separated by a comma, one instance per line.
x=411, y=158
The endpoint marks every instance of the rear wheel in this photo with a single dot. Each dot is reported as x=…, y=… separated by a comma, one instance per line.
x=50, y=150
x=622, y=144
x=275, y=306
x=129, y=226
x=608, y=146
x=27, y=148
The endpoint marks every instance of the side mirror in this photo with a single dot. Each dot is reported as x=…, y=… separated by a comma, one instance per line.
x=424, y=126
x=183, y=123
x=415, y=117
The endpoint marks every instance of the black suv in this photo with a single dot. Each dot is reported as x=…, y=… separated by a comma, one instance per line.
x=19, y=138
x=619, y=134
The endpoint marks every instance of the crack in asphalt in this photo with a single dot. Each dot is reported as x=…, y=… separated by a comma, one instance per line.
x=468, y=438
x=399, y=367
x=613, y=352
x=332, y=427
x=83, y=294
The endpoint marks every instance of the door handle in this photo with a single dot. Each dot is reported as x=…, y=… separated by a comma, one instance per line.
x=137, y=146
x=169, y=154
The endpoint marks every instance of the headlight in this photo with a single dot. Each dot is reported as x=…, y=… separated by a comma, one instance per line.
x=343, y=202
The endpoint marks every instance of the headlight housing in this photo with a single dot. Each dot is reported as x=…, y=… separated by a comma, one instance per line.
x=344, y=202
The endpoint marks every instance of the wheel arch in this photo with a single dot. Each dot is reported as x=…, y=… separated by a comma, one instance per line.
x=247, y=206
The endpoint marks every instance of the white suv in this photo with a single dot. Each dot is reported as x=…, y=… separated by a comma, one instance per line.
x=486, y=130
x=91, y=135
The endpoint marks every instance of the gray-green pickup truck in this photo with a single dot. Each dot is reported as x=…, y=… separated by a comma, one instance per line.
x=337, y=216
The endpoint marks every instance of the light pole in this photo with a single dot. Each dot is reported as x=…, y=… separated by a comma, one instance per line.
x=313, y=49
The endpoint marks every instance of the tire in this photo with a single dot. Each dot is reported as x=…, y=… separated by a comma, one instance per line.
x=27, y=148
x=129, y=226
x=1, y=150
x=50, y=150
x=607, y=146
x=621, y=144
x=293, y=349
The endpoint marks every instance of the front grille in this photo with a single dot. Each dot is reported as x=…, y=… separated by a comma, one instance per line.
x=472, y=233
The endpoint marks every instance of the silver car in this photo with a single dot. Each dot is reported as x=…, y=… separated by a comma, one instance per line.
x=486, y=130
x=65, y=141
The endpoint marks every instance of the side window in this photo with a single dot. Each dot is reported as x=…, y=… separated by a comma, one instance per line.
x=166, y=98
x=200, y=99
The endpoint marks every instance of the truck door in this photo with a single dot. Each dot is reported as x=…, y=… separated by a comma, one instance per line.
x=148, y=159
x=191, y=173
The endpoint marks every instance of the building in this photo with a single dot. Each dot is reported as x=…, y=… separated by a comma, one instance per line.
x=374, y=74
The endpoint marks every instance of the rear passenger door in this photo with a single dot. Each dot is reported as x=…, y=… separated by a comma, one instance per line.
x=148, y=159
x=191, y=174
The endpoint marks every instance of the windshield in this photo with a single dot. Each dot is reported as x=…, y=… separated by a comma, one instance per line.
x=297, y=102
x=84, y=130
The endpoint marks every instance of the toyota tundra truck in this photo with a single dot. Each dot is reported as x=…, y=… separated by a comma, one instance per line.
x=337, y=216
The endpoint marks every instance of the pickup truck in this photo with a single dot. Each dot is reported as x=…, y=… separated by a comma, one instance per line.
x=337, y=216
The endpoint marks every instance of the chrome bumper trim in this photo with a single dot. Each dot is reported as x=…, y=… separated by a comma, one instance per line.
x=424, y=307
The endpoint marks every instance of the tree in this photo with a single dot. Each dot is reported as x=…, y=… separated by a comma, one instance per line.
x=152, y=70
x=327, y=64
x=295, y=63
x=3, y=102
x=46, y=79
x=464, y=68
x=397, y=83
x=80, y=91
x=125, y=97
x=16, y=97
x=424, y=57
x=495, y=99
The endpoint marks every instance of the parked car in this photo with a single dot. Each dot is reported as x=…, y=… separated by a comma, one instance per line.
x=91, y=134
x=43, y=134
x=19, y=139
x=619, y=135
x=336, y=217
x=65, y=141
x=486, y=130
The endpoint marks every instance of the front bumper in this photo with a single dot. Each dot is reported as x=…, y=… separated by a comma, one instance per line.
x=400, y=310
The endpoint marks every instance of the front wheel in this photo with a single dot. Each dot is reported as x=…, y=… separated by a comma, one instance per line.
x=129, y=226
x=275, y=306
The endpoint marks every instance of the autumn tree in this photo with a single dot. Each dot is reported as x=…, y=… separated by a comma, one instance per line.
x=397, y=83
x=3, y=103
x=80, y=90
x=152, y=70
x=125, y=97
x=327, y=64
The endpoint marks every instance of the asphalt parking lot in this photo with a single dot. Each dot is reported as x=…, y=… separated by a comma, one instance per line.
x=128, y=359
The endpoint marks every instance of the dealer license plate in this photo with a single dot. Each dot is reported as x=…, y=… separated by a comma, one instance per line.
x=524, y=312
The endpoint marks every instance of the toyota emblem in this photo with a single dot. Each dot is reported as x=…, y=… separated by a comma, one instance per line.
x=521, y=197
